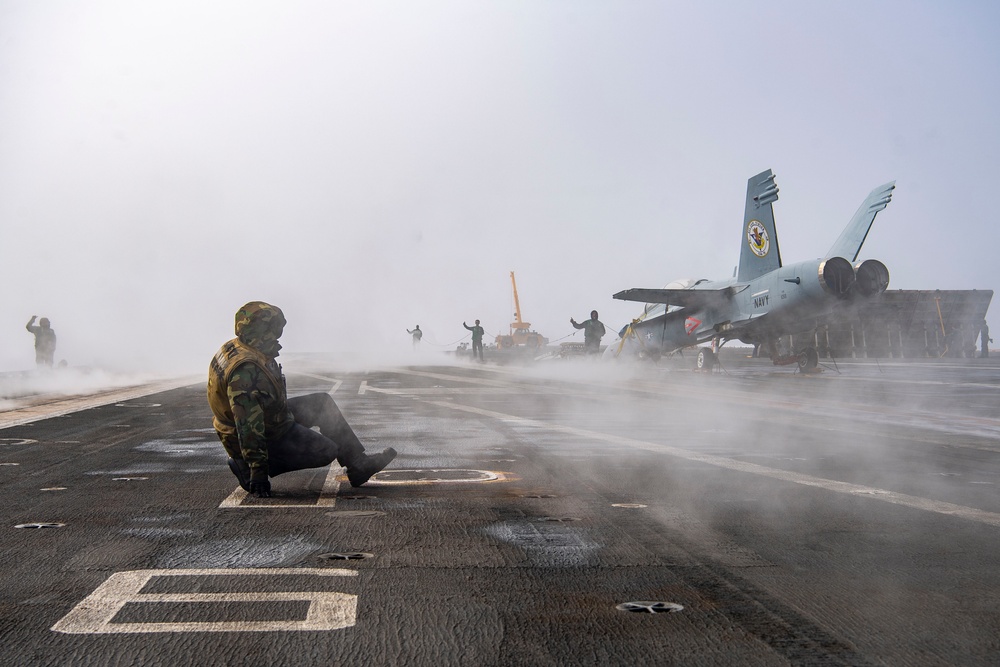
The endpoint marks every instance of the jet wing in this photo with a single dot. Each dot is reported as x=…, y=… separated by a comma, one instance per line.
x=686, y=298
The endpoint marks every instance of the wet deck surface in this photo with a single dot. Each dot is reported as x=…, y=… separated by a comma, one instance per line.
x=847, y=519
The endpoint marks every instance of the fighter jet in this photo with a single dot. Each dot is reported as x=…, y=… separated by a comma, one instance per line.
x=765, y=300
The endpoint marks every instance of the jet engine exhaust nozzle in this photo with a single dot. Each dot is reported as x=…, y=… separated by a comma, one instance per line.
x=872, y=278
x=836, y=275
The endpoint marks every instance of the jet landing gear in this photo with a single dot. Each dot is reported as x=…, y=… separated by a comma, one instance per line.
x=706, y=359
x=807, y=359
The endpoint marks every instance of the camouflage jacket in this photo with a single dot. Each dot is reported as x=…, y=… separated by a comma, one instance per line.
x=246, y=389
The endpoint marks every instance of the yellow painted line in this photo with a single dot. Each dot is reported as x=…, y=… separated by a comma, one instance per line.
x=858, y=490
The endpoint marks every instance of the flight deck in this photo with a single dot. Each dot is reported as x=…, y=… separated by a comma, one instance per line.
x=562, y=513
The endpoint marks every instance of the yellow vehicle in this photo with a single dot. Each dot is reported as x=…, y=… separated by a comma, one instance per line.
x=521, y=335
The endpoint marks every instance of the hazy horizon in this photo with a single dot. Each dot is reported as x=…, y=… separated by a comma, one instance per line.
x=369, y=166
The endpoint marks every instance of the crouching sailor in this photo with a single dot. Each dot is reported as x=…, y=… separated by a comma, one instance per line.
x=266, y=433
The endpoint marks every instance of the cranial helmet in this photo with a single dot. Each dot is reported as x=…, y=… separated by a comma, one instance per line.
x=259, y=324
x=44, y=322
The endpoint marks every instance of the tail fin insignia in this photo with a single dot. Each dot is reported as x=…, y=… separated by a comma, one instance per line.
x=757, y=238
x=759, y=253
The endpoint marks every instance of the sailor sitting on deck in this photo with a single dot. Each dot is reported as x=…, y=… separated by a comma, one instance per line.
x=266, y=433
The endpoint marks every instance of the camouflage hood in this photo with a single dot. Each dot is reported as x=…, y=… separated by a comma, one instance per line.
x=259, y=325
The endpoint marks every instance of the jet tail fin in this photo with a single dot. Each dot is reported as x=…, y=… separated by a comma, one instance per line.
x=759, y=253
x=851, y=239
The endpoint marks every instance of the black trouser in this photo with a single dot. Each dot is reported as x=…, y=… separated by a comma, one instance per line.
x=477, y=345
x=303, y=447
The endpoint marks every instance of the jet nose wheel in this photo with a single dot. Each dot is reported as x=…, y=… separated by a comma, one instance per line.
x=808, y=359
x=706, y=359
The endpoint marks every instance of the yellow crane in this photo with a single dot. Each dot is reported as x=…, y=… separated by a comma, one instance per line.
x=521, y=334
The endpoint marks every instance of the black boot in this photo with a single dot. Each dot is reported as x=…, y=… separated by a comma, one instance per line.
x=360, y=471
x=242, y=472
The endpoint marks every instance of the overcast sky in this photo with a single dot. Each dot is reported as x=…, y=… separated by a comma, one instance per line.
x=368, y=166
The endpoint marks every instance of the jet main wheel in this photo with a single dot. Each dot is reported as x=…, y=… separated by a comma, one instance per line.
x=706, y=359
x=808, y=359
x=649, y=355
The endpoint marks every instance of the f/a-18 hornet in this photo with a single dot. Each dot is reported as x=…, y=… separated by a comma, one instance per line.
x=765, y=300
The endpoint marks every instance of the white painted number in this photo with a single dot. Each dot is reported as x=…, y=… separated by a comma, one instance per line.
x=327, y=610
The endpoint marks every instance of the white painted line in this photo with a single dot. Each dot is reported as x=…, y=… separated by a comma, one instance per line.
x=234, y=499
x=27, y=415
x=951, y=424
x=363, y=388
x=930, y=383
x=94, y=614
x=439, y=391
x=335, y=381
x=504, y=384
x=408, y=477
x=905, y=500
x=327, y=496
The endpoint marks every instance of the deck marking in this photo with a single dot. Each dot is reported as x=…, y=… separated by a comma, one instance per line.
x=58, y=408
x=335, y=381
x=408, y=477
x=327, y=495
x=435, y=391
x=973, y=425
x=905, y=500
x=16, y=441
x=94, y=614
